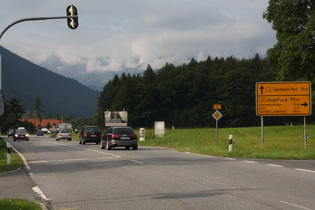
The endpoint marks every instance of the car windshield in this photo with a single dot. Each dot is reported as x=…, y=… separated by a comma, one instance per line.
x=20, y=131
x=93, y=129
x=123, y=131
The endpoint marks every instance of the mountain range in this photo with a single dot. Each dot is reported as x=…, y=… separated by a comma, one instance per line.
x=94, y=80
x=58, y=94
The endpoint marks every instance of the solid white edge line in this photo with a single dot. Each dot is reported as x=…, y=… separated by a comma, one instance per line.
x=39, y=192
x=23, y=158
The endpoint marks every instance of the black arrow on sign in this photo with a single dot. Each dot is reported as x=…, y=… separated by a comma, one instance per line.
x=305, y=104
x=261, y=89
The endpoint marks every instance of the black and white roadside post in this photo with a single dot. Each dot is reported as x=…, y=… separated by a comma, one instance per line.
x=217, y=115
x=230, y=142
x=8, y=153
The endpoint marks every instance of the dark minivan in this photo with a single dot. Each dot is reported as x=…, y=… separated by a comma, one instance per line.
x=90, y=134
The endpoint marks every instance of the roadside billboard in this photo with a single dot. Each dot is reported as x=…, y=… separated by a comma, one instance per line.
x=116, y=118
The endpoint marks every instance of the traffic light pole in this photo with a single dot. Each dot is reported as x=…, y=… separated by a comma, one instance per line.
x=14, y=23
x=34, y=19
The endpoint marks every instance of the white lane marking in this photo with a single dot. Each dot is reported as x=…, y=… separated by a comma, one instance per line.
x=91, y=150
x=23, y=158
x=230, y=158
x=67, y=160
x=249, y=161
x=274, y=165
x=305, y=170
x=137, y=161
x=295, y=205
x=39, y=192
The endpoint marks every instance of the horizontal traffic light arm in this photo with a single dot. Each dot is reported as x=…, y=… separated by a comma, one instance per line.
x=34, y=19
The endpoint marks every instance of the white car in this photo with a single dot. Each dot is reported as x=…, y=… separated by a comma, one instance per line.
x=64, y=134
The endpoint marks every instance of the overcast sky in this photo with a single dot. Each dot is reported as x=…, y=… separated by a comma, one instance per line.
x=118, y=34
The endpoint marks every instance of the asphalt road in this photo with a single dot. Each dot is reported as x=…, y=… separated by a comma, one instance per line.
x=73, y=176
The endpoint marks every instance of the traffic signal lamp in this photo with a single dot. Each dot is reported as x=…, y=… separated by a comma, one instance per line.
x=73, y=21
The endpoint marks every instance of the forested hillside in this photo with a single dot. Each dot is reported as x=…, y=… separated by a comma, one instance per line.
x=26, y=81
x=184, y=96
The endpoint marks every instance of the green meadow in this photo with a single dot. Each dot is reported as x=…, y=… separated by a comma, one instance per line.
x=279, y=142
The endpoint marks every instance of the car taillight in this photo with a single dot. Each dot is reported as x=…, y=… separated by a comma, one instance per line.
x=85, y=135
x=59, y=134
x=101, y=135
x=114, y=136
x=134, y=136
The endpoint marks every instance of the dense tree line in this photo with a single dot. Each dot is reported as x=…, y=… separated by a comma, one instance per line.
x=184, y=96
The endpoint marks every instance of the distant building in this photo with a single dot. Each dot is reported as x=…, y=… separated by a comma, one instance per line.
x=44, y=122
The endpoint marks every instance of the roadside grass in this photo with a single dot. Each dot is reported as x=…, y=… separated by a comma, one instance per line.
x=16, y=161
x=18, y=204
x=280, y=142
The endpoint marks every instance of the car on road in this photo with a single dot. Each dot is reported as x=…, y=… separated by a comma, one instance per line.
x=21, y=133
x=122, y=136
x=40, y=133
x=90, y=134
x=11, y=132
x=64, y=134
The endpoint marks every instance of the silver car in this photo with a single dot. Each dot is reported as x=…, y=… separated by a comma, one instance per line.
x=64, y=134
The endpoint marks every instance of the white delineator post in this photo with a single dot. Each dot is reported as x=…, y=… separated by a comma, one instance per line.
x=8, y=153
x=230, y=142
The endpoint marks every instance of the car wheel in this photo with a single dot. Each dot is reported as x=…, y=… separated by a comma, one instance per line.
x=83, y=142
x=127, y=148
x=102, y=145
x=27, y=139
x=135, y=147
x=14, y=139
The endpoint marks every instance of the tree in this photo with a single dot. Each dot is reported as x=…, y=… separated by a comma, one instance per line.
x=38, y=110
x=294, y=23
x=12, y=115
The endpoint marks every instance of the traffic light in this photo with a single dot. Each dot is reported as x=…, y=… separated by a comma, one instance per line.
x=73, y=22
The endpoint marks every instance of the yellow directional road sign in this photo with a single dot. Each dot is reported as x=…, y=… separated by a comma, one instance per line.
x=283, y=98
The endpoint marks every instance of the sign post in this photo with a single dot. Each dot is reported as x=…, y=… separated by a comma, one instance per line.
x=283, y=99
x=217, y=115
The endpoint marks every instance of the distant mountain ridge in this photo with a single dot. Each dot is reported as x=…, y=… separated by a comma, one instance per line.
x=27, y=81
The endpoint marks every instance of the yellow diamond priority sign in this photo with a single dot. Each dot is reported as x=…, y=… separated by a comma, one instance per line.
x=217, y=115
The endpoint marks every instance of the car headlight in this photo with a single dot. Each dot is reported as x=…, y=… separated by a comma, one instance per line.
x=16, y=135
x=27, y=135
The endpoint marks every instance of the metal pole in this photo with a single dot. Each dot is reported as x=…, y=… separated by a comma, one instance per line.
x=262, y=130
x=217, y=133
x=34, y=19
x=0, y=74
x=305, y=143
